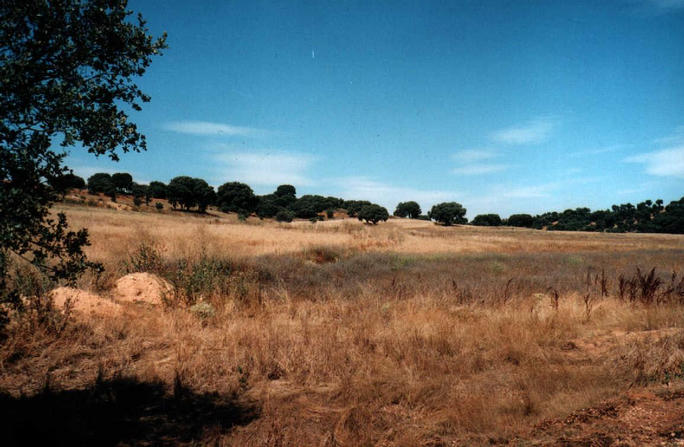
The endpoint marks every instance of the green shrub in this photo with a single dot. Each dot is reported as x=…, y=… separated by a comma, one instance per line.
x=203, y=310
x=146, y=258
x=284, y=216
x=200, y=279
x=159, y=206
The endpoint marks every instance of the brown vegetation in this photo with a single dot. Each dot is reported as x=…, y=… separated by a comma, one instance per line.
x=344, y=334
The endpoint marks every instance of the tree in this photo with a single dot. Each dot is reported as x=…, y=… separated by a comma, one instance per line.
x=487, y=220
x=64, y=183
x=672, y=220
x=157, y=190
x=66, y=70
x=408, y=209
x=123, y=182
x=100, y=182
x=309, y=206
x=267, y=206
x=284, y=196
x=448, y=213
x=190, y=192
x=138, y=191
x=204, y=194
x=236, y=197
x=285, y=190
x=520, y=220
x=354, y=206
x=373, y=213
x=179, y=192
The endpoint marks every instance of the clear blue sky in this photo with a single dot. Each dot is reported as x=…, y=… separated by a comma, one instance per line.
x=504, y=106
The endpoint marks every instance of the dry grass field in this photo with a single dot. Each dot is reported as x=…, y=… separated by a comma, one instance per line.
x=344, y=334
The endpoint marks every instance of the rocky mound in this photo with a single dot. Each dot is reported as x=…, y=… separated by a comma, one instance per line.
x=141, y=287
x=84, y=302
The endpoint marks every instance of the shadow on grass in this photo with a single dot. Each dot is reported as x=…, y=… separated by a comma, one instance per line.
x=119, y=412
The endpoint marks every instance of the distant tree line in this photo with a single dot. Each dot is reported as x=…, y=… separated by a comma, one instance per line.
x=645, y=217
x=189, y=193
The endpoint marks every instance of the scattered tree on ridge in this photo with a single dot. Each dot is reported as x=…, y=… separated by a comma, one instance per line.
x=373, y=213
x=157, y=190
x=123, y=181
x=408, y=209
x=64, y=183
x=448, y=213
x=236, y=197
x=190, y=192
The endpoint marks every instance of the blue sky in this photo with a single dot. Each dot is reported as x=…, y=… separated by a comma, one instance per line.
x=504, y=106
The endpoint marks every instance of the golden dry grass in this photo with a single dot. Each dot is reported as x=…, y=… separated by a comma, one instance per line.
x=116, y=232
x=339, y=333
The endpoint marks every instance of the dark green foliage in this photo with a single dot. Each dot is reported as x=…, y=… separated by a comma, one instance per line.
x=138, y=190
x=354, y=206
x=66, y=182
x=66, y=72
x=157, y=190
x=284, y=196
x=487, y=220
x=672, y=220
x=647, y=216
x=268, y=206
x=179, y=192
x=520, y=220
x=373, y=213
x=100, y=182
x=188, y=192
x=408, y=209
x=285, y=190
x=123, y=182
x=310, y=205
x=448, y=213
x=284, y=216
x=236, y=197
x=330, y=213
x=159, y=206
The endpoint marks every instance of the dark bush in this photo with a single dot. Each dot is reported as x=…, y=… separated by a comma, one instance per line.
x=284, y=216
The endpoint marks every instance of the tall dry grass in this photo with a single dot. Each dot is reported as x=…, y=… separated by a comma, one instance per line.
x=344, y=334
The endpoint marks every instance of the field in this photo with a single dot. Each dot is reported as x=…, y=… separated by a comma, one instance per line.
x=340, y=333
